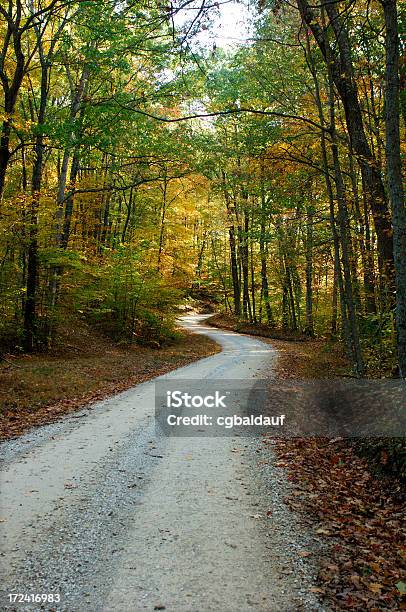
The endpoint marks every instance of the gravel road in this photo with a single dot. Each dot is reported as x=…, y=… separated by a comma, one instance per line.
x=111, y=516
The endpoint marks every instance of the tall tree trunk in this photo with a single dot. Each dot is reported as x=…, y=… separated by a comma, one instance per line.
x=5, y=153
x=130, y=210
x=233, y=251
x=74, y=171
x=246, y=305
x=30, y=318
x=254, y=312
x=162, y=228
x=285, y=310
x=234, y=271
x=395, y=185
x=263, y=253
x=221, y=275
x=10, y=89
x=334, y=303
x=289, y=284
x=345, y=248
x=309, y=329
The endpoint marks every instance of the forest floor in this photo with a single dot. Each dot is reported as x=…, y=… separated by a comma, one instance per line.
x=359, y=514
x=356, y=513
x=84, y=367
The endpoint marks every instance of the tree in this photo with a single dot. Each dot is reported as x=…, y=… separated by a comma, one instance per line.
x=395, y=182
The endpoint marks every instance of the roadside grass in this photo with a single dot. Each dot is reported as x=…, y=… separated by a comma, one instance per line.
x=83, y=368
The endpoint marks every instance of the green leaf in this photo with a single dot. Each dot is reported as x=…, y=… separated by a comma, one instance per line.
x=401, y=587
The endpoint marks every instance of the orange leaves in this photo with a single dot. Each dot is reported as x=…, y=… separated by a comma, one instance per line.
x=358, y=517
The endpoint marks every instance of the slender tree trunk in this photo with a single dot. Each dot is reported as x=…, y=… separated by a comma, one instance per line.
x=289, y=285
x=162, y=229
x=75, y=110
x=233, y=251
x=395, y=185
x=309, y=329
x=344, y=239
x=285, y=310
x=11, y=90
x=199, y=264
x=74, y=170
x=222, y=279
x=234, y=271
x=130, y=209
x=333, y=327
x=254, y=313
x=5, y=148
x=246, y=305
x=263, y=253
x=30, y=315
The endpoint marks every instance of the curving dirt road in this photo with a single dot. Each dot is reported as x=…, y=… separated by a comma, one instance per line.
x=100, y=510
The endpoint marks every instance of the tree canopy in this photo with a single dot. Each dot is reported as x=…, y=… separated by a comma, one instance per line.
x=140, y=165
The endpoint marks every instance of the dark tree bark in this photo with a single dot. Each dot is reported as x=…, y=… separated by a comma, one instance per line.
x=74, y=171
x=395, y=185
x=253, y=300
x=285, y=309
x=234, y=271
x=130, y=212
x=345, y=244
x=11, y=84
x=263, y=254
x=30, y=318
x=309, y=329
x=289, y=283
x=334, y=304
x=233, y=251
x=246, y=304
x=163, y=216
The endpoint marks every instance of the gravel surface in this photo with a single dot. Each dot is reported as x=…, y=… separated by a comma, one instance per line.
x=112, y=516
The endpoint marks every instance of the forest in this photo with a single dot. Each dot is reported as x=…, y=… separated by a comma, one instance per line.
x=141, y=168
x=204, y=195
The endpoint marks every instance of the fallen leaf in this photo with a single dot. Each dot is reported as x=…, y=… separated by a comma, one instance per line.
x=401, y=587
x=375, y=587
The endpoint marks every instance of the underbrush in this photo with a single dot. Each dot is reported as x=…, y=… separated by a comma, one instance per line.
x=386, y=456
x=121, y=298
